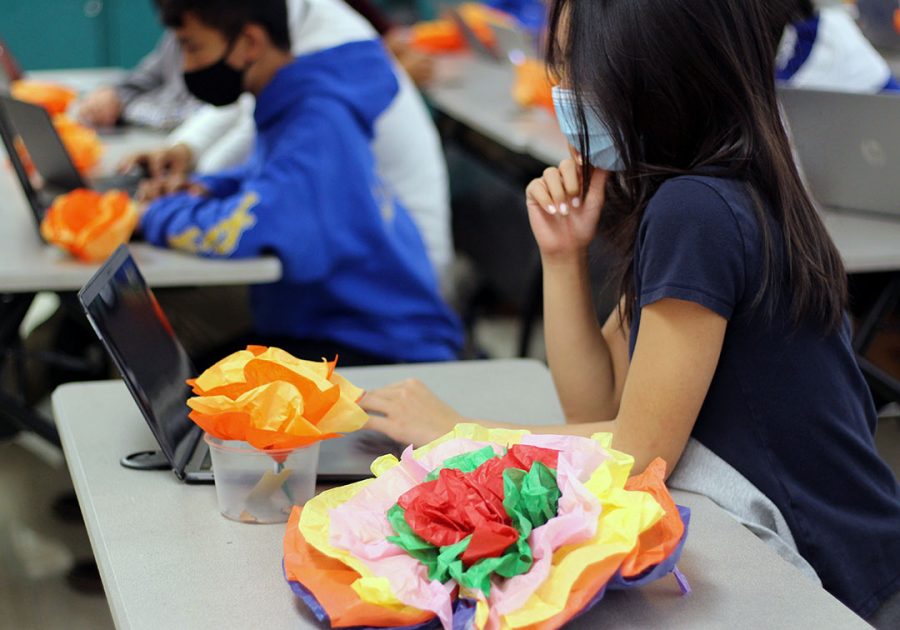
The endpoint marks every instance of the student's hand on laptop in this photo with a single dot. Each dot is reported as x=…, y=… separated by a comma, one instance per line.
x=169, y=161
x=409, y=413
x=100, y=108
x=154, y=188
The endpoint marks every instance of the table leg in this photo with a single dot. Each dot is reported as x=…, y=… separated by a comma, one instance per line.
x=879, y=381
x=532, y=309
x=14, y=413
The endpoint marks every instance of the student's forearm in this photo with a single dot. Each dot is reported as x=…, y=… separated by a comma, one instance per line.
x=577, y=353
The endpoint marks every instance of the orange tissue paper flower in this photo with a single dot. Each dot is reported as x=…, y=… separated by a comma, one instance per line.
x=444, y=35
x=51, y=96
x=82, y=143
x=532, y=86
x=88, y=224
x=273, y=400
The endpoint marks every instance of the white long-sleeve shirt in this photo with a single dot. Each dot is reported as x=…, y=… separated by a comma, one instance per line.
x=829, y=52
x=406, y=146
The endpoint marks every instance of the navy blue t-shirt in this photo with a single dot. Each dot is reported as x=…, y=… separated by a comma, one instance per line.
x=787, y=407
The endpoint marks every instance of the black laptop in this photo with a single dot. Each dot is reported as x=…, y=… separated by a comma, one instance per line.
x=132, y=326
x=58, y=175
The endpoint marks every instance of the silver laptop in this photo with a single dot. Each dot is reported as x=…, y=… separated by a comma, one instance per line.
x=131, y=325
x=514, y=43
x=848, y=146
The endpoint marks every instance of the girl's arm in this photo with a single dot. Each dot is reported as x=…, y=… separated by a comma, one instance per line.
x=674, y=360
x=675, y=356
x=588, y=362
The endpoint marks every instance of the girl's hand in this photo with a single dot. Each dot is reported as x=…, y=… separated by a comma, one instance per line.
x=409, y=413
x=563, y=224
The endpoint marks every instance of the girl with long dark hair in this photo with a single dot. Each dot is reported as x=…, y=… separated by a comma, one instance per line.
x=731, y=325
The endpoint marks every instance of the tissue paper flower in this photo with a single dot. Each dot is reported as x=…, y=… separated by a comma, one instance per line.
x=492, y=529
x=82, y=144
x=51, y=96
x=444, y=35
x=88, y=224
x=273, y=400
x=532, y=86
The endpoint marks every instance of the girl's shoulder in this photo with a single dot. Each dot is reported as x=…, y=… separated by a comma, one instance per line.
x=708, y=211
x=720, y=202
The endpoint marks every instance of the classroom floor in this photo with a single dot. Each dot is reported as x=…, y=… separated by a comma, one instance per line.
x=37, y=550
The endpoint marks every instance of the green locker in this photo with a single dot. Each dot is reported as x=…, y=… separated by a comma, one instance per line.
x=47, y=34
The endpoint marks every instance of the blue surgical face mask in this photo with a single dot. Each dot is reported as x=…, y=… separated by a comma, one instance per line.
x=603, y=153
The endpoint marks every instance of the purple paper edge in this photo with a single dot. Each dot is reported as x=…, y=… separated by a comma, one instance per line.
x=463, y=610
x=659, y=570
x=652, y=573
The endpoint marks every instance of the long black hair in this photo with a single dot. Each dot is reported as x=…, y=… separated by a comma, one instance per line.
x=687, y=85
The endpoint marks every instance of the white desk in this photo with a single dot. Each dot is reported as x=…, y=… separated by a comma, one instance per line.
x=169, y=560
x=867, y=243
x=478, y=94
x=28, y=265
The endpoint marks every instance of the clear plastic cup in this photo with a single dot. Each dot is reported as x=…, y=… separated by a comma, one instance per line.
x=255, y=486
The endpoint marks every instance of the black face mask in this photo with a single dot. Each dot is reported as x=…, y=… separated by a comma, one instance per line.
x=217, y=84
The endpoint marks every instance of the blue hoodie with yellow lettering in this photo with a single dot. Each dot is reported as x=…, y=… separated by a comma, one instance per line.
x=355, y=269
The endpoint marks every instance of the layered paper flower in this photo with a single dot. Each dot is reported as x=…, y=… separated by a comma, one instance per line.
x=53, y=97
x=82, y=144
x=444, y=35
x=88, y=224
x=532, y=86
x=273, y=400
x=491, y=529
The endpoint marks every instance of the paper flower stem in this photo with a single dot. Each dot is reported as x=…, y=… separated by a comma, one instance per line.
x=279, y=467
x=260, y=499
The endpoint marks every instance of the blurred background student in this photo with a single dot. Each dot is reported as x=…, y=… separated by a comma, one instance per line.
x=823, y=48
x=356, y=278
x=152, y=95
x=406, y=144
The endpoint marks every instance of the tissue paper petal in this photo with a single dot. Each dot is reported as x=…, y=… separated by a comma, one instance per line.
x=88, y=224
x=271, y=399
x=330, y=581
x=658, y=542
x=53, y=97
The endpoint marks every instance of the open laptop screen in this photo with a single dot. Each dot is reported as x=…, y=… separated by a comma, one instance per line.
x=11, y=144
x=51, y=159
x=134, y=329
x=847, y=145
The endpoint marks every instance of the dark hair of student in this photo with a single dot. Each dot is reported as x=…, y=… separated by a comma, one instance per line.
x=688, y=85
x=230, y=16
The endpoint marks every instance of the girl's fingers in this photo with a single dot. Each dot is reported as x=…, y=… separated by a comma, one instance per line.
x=596, y=192
x=571, y=181
x=553, y=180
x=381, y=425
x=537, y=193
x=373, y=402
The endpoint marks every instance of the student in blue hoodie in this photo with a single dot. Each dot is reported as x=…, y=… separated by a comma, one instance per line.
x=356, y=279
